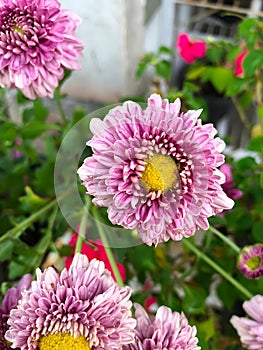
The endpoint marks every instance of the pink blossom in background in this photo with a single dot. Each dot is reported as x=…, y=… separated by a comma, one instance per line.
x=94, y=251
x=229, y=185
x=10, y=301
x=189, y=50
x=156, y=169
x=167, y=330
x=250, y=329
x=250, y=261
x=37, y=44
x=239, y=71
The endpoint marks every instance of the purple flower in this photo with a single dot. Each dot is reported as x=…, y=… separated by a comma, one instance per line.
x=229, y=185
x=156, y=169
x=82, y=307
x=250, y=329
x=10, y=301
x=37, y=44
x=168, y=330
x=250, y=261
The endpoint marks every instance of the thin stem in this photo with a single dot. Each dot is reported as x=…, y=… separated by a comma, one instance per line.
x=107, y=248
x=82, y=230
x=218, y=269
x=225, y=239
x=20, y=228
x=242, y=114
x=59, y=106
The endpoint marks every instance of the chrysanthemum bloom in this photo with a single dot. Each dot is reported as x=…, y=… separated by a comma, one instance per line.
x=95, y=250
x=168, y=330
x=239, y=71
x=79, y=308
x=250, y=329
x=190, y=50
x=37, y=44
x=10, y=301
x=156, y=169
x=250, y=261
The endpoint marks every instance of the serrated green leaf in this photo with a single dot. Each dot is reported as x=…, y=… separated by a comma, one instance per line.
x=31, y=201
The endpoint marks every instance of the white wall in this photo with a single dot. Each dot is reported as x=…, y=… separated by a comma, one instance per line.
x=113, y=35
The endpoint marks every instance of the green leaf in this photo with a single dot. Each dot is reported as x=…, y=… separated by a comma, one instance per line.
x=260, y=113
x=220, y=77
x=165, y=50
x=40, y=111
x=194, y=300
x=6, y=250
x=195, y=72
x=252, y=62
x=257, y=231
x=164, y=69
x=31, y=201
x=256, y=144
x=35, y=128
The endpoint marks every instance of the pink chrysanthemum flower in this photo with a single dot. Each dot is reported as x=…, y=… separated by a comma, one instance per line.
x=10, y=301
x=79, y=308
x=250, y=261
x=37, y=44
x=250, y=329
x=156, y=169
x=190, y=50
x=168, y=330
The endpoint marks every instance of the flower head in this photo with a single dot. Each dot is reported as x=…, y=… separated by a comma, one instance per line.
x=97, y=251
x=250, y=329
x=168, y=330
x=250, y=261
x=190, y=50
x=10, y=301
x=239, y=71
x=156, y=169
x=79, y=308
x=37, y=44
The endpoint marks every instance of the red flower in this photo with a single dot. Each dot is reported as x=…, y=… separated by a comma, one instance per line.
x=97, y=252
x=190, y=50
x=239, y=71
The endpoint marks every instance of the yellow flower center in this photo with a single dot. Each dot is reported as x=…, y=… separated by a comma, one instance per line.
x=254, y=262
x=160, y=173
x=18, y=29
x=63, y=341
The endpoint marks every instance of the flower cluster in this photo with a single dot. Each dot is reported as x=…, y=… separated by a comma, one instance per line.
x=156, y=169
x=37, y=44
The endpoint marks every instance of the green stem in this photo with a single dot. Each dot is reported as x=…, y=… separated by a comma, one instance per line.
x=22, y=226
x=218, y=269
x=59, y=106
x=81, y=233
x=105, y=242
x=225, y=239
x=242, y=114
